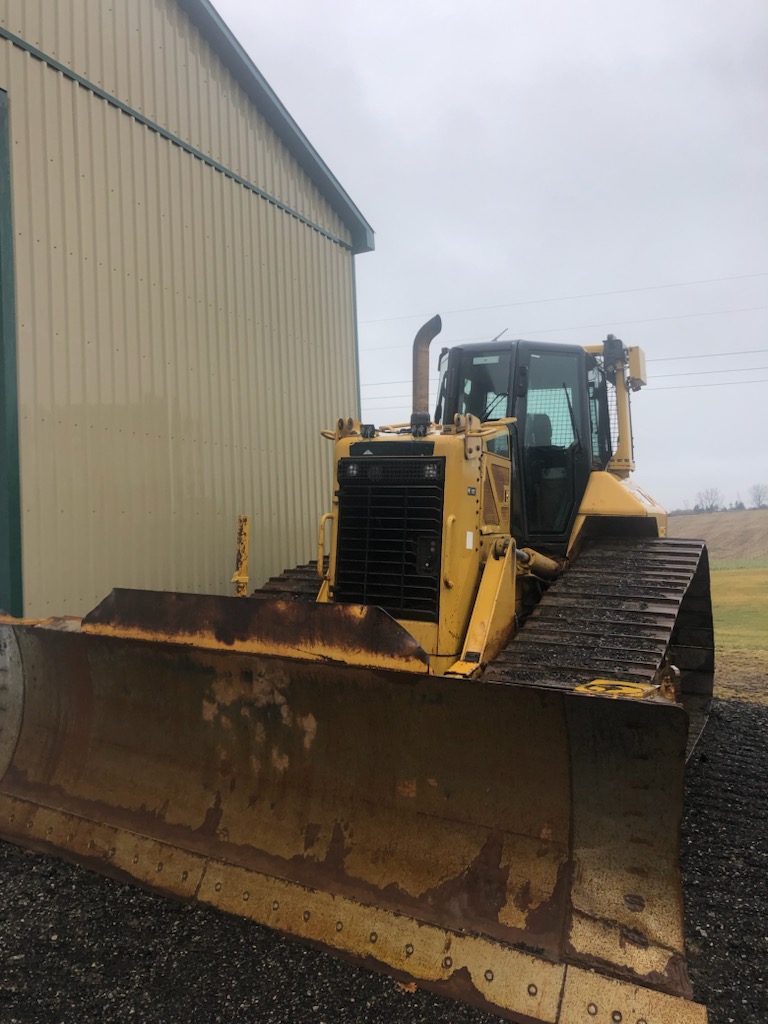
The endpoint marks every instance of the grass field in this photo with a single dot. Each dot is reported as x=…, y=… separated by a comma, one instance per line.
x=740, y=607
x=717, y=564
x=737, y=543
x=740, y=613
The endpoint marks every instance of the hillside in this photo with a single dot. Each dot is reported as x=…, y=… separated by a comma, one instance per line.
x=729, y=535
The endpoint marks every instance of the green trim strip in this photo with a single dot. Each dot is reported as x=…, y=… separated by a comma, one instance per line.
x=164, y=133
x=11, y=589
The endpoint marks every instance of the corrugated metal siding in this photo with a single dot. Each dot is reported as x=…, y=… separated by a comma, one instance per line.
x=181, y=342
x=149, y=55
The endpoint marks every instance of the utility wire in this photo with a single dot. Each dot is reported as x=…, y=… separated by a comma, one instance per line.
x=566, y=298
x=663, y=359
x=696, y=373
x=584, y=327
x=709, y=355
x=382, y=383
x=714, y=384
x=673, y=387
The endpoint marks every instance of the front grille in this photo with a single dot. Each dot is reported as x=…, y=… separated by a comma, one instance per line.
x=390, y=534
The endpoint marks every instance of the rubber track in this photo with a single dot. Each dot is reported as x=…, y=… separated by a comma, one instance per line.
x=614, y=615
x=299, y=584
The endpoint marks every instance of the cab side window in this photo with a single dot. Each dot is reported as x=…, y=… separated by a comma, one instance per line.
x=554, y=401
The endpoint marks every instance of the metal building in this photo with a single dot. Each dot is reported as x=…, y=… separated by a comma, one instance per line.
x=177, y=306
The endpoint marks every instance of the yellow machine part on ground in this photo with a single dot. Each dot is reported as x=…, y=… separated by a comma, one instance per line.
x=512, y=846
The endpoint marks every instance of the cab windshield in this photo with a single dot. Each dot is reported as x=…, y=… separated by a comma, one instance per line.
x=482, y=387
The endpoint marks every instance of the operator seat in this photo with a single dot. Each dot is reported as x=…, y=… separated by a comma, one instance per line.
x=541, y=431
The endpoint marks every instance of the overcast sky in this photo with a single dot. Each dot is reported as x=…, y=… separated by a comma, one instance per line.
x=561, y=170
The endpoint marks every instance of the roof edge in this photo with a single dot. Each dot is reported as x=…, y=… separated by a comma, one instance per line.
x=209, y=22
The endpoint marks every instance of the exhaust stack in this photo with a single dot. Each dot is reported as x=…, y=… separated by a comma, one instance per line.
x=421, y=344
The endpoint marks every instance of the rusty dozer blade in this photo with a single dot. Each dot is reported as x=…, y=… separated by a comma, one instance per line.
x=510, y=846
x=312, y=632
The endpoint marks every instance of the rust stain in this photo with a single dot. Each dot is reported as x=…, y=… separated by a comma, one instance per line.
x=523, y=897
x=546, y=838
x=674, y=979
x=311, y=835
x=480, y=891
x=547, y=917
x=213, y=816
x=633, y=937
x=634, y=902
x=262, y=691
x=337, y=852
x=407, y=788
x=639, y=871
x=333, y=632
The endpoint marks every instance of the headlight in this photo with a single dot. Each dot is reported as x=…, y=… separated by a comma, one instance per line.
x=431, y=471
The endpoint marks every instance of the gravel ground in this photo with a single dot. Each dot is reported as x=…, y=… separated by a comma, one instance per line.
x=75, y=947
x=725, y=864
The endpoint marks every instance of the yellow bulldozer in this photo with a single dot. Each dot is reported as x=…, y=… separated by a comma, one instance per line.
x=451, y=749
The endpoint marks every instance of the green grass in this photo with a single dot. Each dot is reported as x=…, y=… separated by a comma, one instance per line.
x=740, y=606
x=720, y=564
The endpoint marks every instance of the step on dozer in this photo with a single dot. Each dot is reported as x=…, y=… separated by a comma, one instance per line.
x=457, y=756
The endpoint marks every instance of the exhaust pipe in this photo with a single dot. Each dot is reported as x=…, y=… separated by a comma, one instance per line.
x=421, y=343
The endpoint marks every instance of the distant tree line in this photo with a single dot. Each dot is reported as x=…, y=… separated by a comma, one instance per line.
x=711, y=500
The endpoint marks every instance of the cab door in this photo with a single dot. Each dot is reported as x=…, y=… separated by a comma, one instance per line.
x=554, y=438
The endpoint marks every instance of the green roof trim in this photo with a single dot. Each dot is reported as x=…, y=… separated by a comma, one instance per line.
x=11, y=589
x=210, y=23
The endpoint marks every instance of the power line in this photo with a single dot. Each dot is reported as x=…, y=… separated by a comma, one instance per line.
x=381, y=383
x=729, y=369
x=585, y=327
x=709, y=355
x=566, y=298
x=662, y=359
x=387, y=398
x=714, y=384
x=673, y=387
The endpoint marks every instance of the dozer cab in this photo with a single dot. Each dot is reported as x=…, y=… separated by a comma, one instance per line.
x=452, y=749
